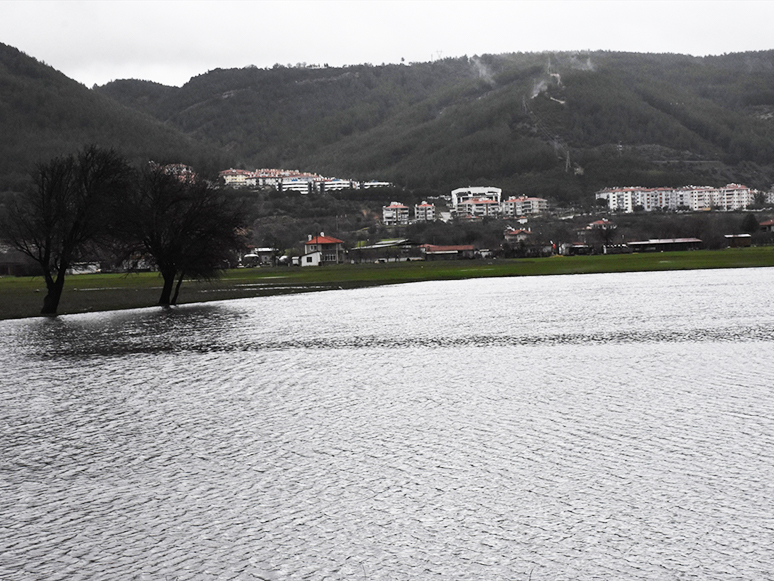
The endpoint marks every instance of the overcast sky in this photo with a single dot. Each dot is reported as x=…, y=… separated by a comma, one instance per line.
x=169, y=42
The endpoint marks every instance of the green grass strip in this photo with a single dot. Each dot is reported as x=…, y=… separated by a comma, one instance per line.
x=23, y=296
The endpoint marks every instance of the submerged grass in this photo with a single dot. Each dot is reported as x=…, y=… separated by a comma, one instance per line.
x=23, y=296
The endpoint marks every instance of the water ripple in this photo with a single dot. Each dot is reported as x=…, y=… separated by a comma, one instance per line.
x=322, y=437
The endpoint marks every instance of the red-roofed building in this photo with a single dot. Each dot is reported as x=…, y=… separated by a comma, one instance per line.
x=394, y=214
x=524, y=205
x=238, y=178
x=321, y=250
x=517, y=235
x=433, y=252
x=479, y=207
x=603, y=224
x=424, y=212
x=767, y=226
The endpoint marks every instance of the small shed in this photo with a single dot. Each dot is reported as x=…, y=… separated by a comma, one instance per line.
x=574, y=249
x=738, y=240
x=665, y=244
x=433, y=252
x=312, y=258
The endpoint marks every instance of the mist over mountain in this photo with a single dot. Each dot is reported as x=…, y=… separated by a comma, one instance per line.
x=554, y=125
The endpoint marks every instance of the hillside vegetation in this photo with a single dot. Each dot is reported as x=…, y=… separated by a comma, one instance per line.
x=556, y=125
x=45, y=114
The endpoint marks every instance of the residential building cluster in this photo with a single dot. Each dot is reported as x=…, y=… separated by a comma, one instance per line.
x=470, y=202
x=481, y=201
x=292, y=181
x=323, y=250
x=696, y=198
x=397, y=214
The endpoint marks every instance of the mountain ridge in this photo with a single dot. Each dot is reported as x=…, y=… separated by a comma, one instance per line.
x=559, y=125
x=43, y=114
x=556, y=124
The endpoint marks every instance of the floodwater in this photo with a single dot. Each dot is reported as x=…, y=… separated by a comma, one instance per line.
x=613, y=426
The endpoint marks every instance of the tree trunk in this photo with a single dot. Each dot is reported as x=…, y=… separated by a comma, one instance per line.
x=166, y=290
x=177, y=289
x=54, y=289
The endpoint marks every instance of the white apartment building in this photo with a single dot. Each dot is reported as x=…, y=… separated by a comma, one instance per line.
x=626, y=199
x=479, y=208
x=335, y=184
x=281, y=179
x=292, y=180
x=238, y=178
x=734, y=197
x=696, y=198
x=304, y=183
x=514, y=207
x=395, y=214
x=424, y=212
x=475, y=193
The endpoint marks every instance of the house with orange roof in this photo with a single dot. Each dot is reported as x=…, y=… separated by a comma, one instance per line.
x=321, y=250
x=516, y=235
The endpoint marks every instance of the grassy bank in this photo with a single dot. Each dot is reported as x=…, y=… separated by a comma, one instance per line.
x=23, y=296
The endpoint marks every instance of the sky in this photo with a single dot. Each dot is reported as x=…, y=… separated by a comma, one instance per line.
x=169, y=42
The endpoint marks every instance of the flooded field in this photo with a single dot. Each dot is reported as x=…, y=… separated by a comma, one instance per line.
x=604, y=427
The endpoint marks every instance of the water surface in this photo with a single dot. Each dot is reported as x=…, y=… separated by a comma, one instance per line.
x=568, y=427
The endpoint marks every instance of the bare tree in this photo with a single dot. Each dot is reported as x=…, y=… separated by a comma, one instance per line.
x=63, y=211
x=186, y=226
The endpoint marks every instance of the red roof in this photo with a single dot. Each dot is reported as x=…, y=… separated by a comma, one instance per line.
x=324, y=240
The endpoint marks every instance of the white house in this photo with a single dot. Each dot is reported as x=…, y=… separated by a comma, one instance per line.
x=312, y=258
x=322, y=249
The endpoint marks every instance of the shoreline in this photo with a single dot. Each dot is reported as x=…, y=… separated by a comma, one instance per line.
x=22, y=297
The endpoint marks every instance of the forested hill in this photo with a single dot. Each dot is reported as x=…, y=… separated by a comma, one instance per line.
x=559, y=125
x=555, y=125
x=43, y=113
